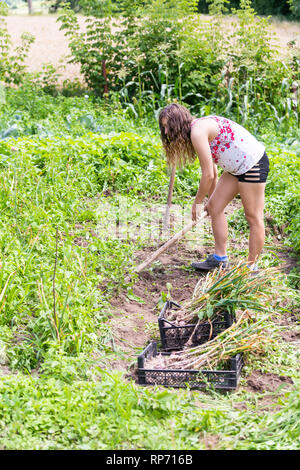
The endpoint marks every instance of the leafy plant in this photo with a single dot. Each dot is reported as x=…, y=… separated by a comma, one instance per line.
x=201, y=62
x=295, y=8
x=59, y=181
x=12, y=65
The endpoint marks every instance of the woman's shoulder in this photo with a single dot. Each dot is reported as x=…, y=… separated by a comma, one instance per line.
x=204, y=122
x=205, y=125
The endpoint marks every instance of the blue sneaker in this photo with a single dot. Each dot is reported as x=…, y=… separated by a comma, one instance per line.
x=210, y=263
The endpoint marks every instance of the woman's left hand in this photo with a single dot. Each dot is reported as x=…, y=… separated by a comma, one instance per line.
x=196, y=207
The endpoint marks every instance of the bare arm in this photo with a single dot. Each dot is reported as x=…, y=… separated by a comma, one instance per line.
x=214, y=183
x=200, y=141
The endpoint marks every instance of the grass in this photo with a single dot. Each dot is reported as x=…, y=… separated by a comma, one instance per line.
x=59, y=390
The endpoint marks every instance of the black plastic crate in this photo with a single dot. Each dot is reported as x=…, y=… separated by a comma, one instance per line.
x=194, y=379
x=174, y=337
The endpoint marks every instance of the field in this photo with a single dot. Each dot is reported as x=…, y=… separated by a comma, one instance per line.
x=51, y=45
x=83, y=191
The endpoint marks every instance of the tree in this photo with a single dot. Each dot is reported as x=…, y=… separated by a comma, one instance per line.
x=55, y=5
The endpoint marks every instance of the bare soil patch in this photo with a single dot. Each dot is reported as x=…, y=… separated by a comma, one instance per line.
x=260, y=382
x=4, y=370
x=133, y=321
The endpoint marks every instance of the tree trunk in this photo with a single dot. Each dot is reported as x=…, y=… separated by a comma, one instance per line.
x=104, y=75
x=29, y=3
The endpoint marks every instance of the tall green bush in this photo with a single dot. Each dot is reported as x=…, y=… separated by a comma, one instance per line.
x=128, y=43
x=295, y=8
x=272, y=7
x=258, y=82
x=151, y=54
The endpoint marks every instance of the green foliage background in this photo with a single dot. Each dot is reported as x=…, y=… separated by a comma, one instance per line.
x=287, y=8
x=66, y=151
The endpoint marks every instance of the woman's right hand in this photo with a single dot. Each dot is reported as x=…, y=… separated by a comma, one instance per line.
x=206, y=209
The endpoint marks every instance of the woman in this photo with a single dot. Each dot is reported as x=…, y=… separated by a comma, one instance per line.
x=219, y=141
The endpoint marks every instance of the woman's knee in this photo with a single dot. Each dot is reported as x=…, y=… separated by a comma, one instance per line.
x=255, y=220
x=214, y=208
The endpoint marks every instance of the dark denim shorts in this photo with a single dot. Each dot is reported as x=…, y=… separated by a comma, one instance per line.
x=258, y=173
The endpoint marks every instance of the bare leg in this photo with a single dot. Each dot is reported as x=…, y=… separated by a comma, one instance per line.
x=253, y=197
x=226, y=189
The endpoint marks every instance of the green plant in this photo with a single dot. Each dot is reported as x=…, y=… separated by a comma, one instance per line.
x=283, y=192
x=295, y=8
x=229, y=291
x=157, y=59
x=12, y=65
x=244, y=335
x=95, y=49
x=59, y=391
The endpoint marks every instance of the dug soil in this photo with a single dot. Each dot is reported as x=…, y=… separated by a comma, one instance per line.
x=134, y=320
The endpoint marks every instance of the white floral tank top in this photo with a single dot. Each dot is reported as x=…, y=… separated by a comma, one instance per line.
x=234, y=148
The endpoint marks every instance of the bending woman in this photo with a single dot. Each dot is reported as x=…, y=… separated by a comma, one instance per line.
x=219, y=141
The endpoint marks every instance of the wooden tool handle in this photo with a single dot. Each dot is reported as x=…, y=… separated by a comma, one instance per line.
x=168, y=244
x=169, y=201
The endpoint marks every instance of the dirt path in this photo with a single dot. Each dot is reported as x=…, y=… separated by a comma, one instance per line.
x=51, y=45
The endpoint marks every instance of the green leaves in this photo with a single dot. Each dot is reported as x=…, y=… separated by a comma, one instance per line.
x=75, y=175
x=283, y=194
x=171, y=53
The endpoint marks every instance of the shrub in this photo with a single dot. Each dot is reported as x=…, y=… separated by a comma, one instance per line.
x=152, y=58
x=12, y=65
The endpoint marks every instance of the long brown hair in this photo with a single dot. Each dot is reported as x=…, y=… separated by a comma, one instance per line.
x=177, y=142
